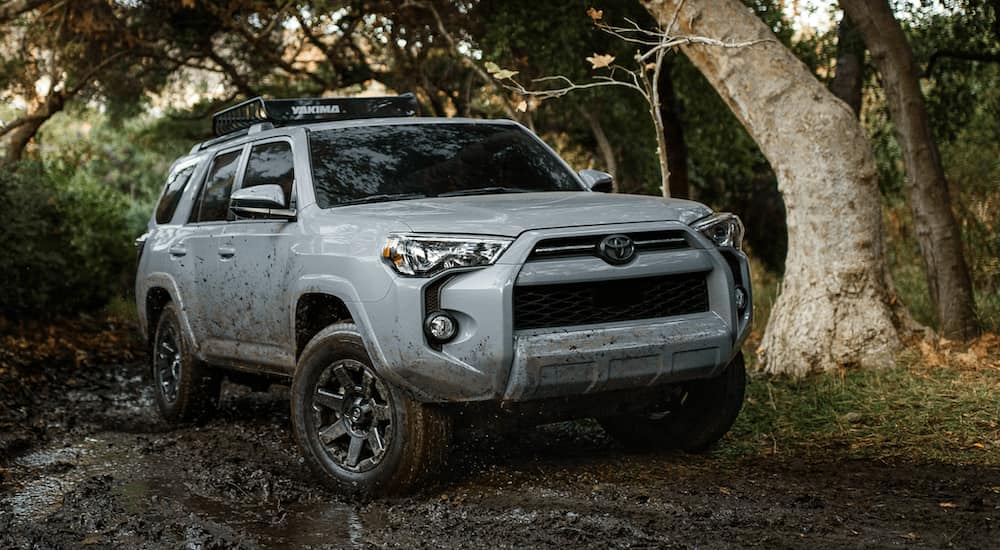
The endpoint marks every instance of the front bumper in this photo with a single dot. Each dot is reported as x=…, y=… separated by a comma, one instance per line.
x=489, y=360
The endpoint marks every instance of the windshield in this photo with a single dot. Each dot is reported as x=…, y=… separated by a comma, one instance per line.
x=406, y=161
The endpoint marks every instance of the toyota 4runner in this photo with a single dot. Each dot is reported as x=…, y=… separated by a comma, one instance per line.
x=410, y=274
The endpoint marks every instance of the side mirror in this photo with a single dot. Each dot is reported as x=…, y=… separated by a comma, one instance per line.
x=261, y=201
x=595, y=180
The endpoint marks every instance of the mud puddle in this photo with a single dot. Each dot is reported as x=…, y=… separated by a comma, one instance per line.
x=142, y=483
x=100, y=470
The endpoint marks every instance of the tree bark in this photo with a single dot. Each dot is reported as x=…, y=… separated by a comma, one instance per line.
x=603, y=144
x=850, y=67
x=937, y=231
x=833, y=307
x=19, y=137
x=673, y=136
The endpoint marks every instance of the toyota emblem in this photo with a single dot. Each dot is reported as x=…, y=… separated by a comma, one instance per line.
x=617, y=249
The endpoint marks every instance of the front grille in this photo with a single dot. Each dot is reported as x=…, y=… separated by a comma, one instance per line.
x=586, y=245
x=570, y=304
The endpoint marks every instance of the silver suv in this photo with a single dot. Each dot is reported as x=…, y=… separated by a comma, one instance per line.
x=411, y=275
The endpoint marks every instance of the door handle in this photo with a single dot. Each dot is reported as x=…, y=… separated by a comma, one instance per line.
x=178, y=250
x=226, y=252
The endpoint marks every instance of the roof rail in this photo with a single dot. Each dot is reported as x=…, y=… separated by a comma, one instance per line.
x=291, y=111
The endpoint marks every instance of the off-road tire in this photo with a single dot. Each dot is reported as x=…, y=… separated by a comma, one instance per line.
x=419, y=435
x=702, y=414
x=196, y=388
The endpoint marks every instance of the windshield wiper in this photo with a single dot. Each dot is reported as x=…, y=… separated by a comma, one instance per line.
x=382, y=197
x=484, y=191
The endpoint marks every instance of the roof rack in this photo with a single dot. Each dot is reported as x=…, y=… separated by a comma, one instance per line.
x=291, y=111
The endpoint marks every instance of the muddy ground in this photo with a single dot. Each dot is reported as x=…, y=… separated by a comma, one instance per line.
x=85, y=462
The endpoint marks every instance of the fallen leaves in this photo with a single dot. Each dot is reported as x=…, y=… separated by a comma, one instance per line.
x=979, y=354
x=80, y=342
x=595, y=14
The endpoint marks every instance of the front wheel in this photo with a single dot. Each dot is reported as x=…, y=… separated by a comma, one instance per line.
x=696, y=416
x=364, y=436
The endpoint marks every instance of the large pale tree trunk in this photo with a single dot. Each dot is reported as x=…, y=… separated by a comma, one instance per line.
x=833, y=308
x=937, y=232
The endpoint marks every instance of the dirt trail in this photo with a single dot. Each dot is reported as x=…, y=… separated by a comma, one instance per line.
x=90, y=464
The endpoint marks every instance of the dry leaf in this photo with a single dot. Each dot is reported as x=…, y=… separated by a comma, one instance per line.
x=947, y=505
x=601, y=61
x=497, y=72
x=504, y=74
x=522, y=106
x=725, y=490
x=595, y=14
x=979, y=445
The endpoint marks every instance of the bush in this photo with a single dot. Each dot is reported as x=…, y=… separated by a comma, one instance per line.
x=68, y=246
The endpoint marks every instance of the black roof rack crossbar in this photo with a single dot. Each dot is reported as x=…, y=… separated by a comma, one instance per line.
x=291, y=111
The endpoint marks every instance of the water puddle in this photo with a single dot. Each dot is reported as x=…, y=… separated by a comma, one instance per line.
x=54, y=471
x=292, y=525
x=41, y=479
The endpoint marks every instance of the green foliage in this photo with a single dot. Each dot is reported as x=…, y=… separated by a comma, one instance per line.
x=68, y=247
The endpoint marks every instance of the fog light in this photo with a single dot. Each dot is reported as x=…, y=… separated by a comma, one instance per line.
x=741, y=298
x=440, y=327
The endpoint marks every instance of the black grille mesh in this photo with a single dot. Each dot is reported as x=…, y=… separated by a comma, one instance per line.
x=563, y=305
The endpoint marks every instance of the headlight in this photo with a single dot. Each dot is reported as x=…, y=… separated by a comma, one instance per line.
x=723, y=229
x=425, y=255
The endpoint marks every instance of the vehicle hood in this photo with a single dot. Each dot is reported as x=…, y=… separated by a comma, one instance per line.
x=511, y=214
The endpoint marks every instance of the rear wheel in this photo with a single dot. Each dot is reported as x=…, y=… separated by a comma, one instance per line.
x=184, y=388
x=364, y=436
x=695, y=417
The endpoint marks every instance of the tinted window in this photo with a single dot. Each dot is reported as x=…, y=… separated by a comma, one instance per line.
x=172, y=192
x=430, y=159
x=218, y=185
x=271, y=163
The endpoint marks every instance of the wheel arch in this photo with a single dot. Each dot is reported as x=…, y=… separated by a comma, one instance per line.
x=315, y=311
x=158, y=290
x=338, y=294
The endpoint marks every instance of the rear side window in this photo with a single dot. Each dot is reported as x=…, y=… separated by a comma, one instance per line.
x=219, y=183
x=172, y=192
x=271, y=163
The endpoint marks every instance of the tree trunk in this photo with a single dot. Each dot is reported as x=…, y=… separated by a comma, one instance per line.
x=19, y=137
x=603, y=144
x=850, y=69
x=673, y=136
x=937, y=232
x=833, y=307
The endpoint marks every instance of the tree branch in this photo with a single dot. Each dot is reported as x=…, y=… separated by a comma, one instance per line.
x=7, y=128
x=465, y=60
x=13, y=8
x=957, y=54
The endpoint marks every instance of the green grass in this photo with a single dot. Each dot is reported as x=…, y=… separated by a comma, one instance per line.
x=908, y=412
